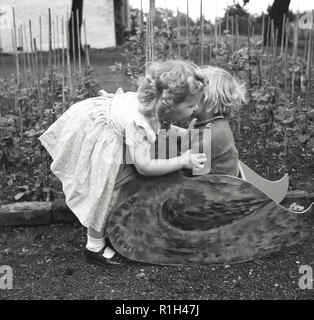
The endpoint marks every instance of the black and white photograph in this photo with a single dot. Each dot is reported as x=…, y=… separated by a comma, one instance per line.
x=156, y=154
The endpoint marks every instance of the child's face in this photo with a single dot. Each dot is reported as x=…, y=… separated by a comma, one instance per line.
x=185, y=109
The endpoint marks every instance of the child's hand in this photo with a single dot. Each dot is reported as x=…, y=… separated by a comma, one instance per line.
x=193, y=160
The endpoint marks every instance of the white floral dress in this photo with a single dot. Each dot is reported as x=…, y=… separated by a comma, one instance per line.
x=86, y=145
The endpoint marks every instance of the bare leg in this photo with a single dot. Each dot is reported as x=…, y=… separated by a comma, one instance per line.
x=95, y=234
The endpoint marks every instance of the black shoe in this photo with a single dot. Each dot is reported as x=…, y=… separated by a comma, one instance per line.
x=98, y=258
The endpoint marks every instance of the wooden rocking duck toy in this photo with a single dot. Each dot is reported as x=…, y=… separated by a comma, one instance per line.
x=208, y=219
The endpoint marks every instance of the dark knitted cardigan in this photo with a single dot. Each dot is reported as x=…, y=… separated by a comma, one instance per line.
x=224, y=155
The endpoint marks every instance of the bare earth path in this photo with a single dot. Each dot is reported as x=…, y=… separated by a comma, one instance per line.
x=48, y=263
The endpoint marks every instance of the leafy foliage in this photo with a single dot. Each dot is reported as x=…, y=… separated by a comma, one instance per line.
x=24, y=163
x=280, y=122
x=274, y=132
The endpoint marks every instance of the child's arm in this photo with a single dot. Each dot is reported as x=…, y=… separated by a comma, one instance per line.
x=155, y=167
x=176, y=131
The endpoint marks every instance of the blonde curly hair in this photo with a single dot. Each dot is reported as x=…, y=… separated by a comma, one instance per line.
x=222, y=91
x=170, y=83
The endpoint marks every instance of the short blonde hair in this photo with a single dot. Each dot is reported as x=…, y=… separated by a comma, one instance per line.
x=222, y=91
x=169, y=82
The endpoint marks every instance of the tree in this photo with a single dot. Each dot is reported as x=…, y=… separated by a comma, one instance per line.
x=119, y=20
x=276, y=12
x=235, y=10
x=76, y=5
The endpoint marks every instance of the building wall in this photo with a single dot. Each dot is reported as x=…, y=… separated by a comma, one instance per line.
x=99, y=15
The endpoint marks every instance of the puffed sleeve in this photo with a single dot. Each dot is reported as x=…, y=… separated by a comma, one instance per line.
x=139, y=132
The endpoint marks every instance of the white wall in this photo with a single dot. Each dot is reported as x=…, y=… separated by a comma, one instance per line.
x=99, y=15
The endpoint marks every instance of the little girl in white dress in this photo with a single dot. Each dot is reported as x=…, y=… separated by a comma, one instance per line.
x=87, y=144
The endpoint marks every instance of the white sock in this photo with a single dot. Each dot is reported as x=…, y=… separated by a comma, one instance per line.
x=94, y=244
x=108, y=253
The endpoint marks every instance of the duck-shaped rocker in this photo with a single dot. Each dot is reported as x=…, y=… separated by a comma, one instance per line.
x=208, y=219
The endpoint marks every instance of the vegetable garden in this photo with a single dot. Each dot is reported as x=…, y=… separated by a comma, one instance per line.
x=274, y=132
